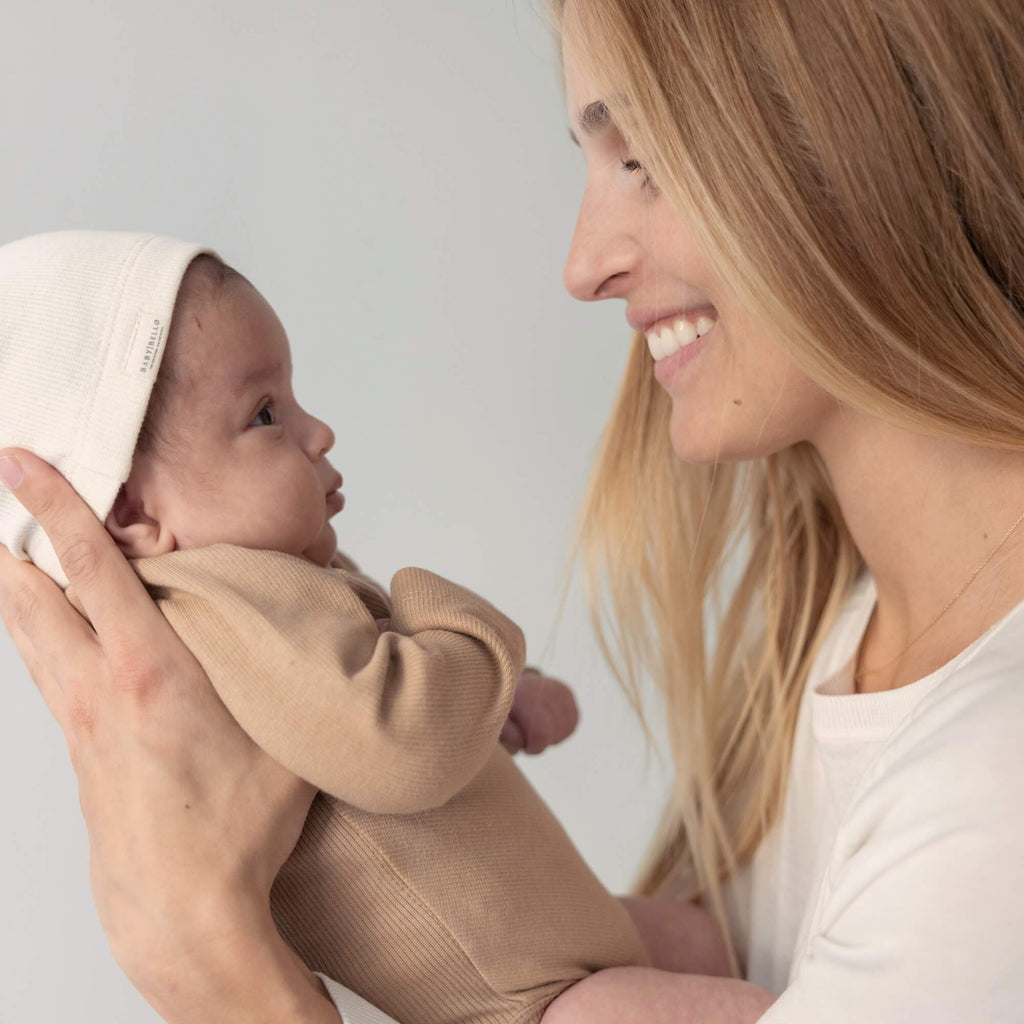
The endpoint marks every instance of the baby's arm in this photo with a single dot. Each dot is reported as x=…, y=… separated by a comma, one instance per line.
x=395, y=721
x=445, y=670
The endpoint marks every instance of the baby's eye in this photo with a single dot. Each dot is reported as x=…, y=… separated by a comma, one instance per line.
x=268, y=409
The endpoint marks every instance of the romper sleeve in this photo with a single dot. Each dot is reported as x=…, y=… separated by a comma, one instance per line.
x=921, y=912
x=391, y=722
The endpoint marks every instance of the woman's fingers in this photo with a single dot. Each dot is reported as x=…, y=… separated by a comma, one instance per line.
x=188, y=819
x=110, y=591
x=48, y=633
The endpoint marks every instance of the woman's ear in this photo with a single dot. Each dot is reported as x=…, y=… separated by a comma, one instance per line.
x=137, y=534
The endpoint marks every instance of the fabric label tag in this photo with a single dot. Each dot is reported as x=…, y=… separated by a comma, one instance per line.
x=147, y=337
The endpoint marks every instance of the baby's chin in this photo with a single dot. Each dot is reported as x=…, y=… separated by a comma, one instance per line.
x=323, y=549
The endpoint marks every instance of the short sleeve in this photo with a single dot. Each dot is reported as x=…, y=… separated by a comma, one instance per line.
x=353, y=1009
x=921, y=915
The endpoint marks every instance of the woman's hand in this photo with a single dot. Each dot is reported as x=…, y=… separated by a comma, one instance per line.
x=543, y=712
x=188, y=820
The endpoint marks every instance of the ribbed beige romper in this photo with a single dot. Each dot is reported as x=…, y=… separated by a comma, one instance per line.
x=430, y=877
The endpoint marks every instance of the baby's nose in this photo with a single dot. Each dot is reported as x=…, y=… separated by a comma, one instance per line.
x=321, y=440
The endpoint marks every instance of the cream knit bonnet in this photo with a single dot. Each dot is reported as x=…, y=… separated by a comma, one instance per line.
x=84, y=317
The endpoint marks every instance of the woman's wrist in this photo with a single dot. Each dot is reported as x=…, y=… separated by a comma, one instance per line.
x=234, y=968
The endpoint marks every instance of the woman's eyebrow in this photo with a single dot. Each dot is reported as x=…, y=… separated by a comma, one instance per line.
x=593, y=118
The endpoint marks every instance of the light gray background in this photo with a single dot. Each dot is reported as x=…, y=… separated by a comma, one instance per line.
x=397, y=178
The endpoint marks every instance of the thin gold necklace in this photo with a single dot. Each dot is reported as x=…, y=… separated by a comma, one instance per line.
x=859, y=676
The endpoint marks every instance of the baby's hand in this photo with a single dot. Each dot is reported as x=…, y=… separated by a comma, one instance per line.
x=543, y=712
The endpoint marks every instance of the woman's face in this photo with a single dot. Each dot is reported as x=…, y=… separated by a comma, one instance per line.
x=735, y=394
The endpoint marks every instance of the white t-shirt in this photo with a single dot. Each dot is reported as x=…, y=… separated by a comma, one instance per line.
x=354, y=1009
x=892, y=888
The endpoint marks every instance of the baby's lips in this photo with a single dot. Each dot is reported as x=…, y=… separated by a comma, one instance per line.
x=335, y=501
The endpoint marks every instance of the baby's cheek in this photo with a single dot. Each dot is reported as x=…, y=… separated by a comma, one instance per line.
x=310, y=516
x=283, y=509
x=266, y=519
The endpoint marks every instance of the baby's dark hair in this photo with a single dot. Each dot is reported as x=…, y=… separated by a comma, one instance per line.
x=205, y=278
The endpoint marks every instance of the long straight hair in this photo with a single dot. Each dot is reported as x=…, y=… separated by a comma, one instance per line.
x=855, y=170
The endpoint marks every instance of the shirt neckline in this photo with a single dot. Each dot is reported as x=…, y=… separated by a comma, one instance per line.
x=837, y=709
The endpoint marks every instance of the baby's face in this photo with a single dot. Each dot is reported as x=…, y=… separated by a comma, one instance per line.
x=254, y=470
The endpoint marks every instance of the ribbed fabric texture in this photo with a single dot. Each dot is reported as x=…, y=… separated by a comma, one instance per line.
x=84, y=318
x=430, y=877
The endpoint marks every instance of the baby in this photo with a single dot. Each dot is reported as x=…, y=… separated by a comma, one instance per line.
x=429, y=877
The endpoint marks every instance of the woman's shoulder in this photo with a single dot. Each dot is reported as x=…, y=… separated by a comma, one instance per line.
x=961, y=750
x=979, y=701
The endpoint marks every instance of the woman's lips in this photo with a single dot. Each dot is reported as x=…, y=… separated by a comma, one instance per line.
x=644, y=318
x=665, y=370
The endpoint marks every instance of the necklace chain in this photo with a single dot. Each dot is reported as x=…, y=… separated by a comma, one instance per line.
x=970, y=579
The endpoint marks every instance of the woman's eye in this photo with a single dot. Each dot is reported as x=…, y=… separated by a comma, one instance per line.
x=635, y=167
x=268, y=409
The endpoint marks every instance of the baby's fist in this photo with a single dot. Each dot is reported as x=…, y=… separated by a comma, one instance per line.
x=543, y=712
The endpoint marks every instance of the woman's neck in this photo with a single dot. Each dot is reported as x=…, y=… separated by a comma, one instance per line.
x=925, y=513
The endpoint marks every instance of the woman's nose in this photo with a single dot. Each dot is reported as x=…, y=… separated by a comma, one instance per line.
x=603, y=255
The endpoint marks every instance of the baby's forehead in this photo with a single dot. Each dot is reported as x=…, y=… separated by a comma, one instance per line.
x=224, y=362
x=223, y=378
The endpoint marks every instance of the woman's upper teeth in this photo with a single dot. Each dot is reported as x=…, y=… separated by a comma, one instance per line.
x=676, y=335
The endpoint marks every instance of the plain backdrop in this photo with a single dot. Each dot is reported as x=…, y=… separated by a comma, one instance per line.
x=397, y=178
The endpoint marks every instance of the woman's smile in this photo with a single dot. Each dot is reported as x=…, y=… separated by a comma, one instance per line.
x=666, y=367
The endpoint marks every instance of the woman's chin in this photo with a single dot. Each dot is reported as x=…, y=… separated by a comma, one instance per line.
x=702, y=437
x=693, y=438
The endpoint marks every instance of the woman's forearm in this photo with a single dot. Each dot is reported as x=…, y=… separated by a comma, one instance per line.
x=642, y=995
x=679, y=935
x=244, y=973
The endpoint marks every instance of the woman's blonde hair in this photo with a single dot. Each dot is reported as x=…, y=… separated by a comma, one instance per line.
x=855, y=170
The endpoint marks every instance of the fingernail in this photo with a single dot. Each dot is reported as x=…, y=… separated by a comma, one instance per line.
x=10, y=470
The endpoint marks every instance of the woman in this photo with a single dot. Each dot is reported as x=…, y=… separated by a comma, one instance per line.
x=834, y=195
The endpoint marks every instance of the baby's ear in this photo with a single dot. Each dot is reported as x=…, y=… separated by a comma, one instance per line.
x=136, y=533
